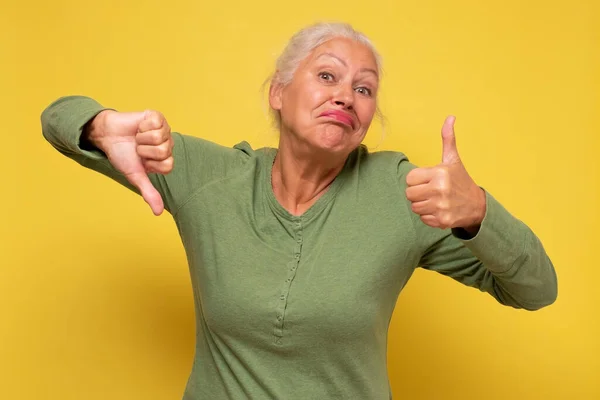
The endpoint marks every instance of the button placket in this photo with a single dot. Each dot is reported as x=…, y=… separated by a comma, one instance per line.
x=283, y=298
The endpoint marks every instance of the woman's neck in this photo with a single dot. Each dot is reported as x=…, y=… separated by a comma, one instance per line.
x=300, y=178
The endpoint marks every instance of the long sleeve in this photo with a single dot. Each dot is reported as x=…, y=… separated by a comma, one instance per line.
x=505, y=258
x=197, y=161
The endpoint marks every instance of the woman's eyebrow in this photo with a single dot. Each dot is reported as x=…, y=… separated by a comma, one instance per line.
x=371, y=70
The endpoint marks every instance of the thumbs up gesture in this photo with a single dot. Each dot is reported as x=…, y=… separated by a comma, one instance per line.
x=445, y=196
x=136, y=143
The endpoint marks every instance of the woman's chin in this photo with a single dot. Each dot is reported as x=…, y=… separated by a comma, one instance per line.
x=334, y=139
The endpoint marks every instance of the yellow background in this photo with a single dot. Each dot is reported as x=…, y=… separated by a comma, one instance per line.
x=95, y=300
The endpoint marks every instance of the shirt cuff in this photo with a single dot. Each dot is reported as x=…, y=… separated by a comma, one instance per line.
x=500, y=239
x=69, y=116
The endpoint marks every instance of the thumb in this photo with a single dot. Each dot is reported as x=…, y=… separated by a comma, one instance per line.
x=449, y=150
x=149, y=193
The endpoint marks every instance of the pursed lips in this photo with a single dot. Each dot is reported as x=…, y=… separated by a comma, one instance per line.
x=341, y=116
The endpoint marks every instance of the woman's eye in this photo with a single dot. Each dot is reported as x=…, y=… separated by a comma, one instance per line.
x=364, y=90
x=326, y=76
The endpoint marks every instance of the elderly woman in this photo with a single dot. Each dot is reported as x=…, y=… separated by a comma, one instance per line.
x=298, y=254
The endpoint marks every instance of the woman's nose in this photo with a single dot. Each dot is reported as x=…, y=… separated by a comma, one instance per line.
x=344, y=97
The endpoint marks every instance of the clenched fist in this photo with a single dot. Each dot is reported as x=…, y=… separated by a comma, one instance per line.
x=445, y=196
x=136, y=143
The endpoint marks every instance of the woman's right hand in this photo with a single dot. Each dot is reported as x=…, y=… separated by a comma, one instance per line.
x=136, y=143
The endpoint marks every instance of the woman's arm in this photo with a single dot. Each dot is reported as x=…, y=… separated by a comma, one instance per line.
x=68, y=121
x=505, y=258
x=466, y=234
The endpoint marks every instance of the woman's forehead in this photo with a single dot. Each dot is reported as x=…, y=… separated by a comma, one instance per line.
x=346, y=52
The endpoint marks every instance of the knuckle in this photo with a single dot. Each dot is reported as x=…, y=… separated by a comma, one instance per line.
x=155, y=119
x=443, y=186
x=167, y=165
x=163, y=150
x=414, y=208
x=445, y=220
x=156, y=137
x=165, y=134
x=428, y=220
x=444, y=205
x=444, y=172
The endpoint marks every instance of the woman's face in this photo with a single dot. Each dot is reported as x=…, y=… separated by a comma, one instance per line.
x=331, y=101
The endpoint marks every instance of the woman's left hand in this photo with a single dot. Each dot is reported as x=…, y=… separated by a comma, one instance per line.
x=445, y=196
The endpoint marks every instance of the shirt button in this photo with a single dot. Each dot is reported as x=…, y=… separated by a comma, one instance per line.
x=279, y=318
x=282, y=297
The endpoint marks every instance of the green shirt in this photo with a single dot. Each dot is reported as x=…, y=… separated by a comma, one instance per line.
x=298, y=307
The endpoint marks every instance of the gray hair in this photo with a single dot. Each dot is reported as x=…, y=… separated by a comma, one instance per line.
x=303, y=42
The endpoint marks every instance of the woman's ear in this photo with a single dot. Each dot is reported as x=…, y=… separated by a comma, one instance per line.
x=275, y=94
